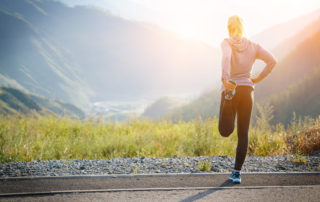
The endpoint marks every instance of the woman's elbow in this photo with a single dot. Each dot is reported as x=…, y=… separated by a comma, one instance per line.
x=274, y=61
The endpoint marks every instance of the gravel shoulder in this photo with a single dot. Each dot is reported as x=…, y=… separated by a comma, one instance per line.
x=214, y=164
x=286, y=178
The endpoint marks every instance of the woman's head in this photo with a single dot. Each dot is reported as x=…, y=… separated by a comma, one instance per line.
x=235, y=26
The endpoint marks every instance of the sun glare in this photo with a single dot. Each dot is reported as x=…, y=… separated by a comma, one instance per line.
x=188, y=30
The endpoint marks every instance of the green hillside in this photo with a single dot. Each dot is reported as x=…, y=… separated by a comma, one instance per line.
x=207, y=105
x=159, y=108
x=14, y=101
x=290, y=44
x=33, y=61
x=303, y=98
x=292, y=68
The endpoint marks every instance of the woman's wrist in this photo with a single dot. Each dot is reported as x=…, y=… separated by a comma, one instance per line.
x=256, y=80
x=228, y=85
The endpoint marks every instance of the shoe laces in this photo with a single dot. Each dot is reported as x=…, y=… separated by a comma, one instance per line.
x=236, y=174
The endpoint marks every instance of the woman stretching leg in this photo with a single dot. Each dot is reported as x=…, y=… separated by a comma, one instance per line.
x=238, y=56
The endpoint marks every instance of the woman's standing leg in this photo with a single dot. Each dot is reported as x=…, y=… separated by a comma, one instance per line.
x=244, y=108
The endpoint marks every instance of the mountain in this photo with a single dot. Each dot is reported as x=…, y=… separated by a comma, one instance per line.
x=207, y=105
x=289, y=44
x=14, y=101
x=274, y=35
x=283, y=38
x=83, y=54
x=302, y=97
x=33, y=61
x=159, y=108
x=292, y=68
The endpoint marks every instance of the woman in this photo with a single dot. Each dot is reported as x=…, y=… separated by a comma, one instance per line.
x=238, y=56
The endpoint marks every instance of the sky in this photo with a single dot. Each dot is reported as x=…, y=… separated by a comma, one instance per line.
x=205, y=20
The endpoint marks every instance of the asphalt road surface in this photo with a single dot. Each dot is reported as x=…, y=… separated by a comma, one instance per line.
x=180, y=187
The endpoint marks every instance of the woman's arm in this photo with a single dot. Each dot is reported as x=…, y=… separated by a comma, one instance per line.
x=226, y=59
x=270, y=61
x=225, y=63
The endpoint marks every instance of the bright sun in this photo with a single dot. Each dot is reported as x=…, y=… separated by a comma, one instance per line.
x=188, y=30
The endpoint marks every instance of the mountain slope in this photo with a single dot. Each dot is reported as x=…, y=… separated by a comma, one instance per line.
x=289, y=44
x=303, y=98
x=207, y=105
x=159, y=108
x=14, y=101
x=274, y=35
x=292, y=68
x=282, y=39
x=31, y=61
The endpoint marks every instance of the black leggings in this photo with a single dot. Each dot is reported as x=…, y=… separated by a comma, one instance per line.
x=241, y=104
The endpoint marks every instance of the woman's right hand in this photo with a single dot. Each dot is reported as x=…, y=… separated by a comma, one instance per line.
x=256, y=80
x=228, y=85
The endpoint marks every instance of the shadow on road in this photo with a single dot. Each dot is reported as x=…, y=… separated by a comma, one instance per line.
x=200, y=195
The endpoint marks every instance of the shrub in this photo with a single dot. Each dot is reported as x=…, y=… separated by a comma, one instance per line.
x=205, y=165
x=306, y=140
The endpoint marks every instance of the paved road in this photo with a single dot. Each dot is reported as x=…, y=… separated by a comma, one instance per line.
x=310, y=193
x=203, y=187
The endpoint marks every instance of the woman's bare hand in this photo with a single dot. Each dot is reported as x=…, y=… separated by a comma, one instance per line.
x=228, y=85
x=256, y=80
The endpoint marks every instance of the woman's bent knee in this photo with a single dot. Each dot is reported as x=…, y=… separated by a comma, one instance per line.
x=225, y=133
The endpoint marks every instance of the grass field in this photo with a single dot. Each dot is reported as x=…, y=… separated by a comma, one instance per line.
x=35, y=137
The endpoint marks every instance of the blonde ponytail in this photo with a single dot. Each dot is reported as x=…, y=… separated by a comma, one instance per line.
x=235, y=26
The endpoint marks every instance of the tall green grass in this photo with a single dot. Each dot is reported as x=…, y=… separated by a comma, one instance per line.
x=33, y=137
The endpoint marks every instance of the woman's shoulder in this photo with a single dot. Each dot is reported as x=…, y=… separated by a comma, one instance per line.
x=229, y=42
x=254, y=43
x=225, y=43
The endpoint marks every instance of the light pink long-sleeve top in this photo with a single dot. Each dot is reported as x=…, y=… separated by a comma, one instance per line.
x=238, y=56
